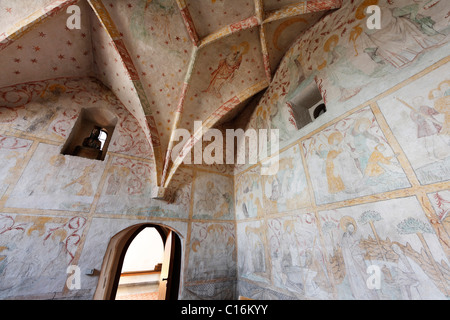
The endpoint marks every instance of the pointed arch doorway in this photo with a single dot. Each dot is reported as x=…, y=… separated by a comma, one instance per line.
x=169, y=282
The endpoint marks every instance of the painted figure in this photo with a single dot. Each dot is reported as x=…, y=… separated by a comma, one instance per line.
x=355, y=265
x=429, y=129
x=226, y=70
x=403, y=37
x=377, y=159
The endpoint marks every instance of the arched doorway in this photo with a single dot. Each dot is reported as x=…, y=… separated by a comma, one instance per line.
x=110, y=274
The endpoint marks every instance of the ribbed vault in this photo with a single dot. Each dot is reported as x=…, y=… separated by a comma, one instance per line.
x=170, y=62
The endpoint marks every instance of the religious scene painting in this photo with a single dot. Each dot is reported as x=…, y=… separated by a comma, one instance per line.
x=48, y=244
x=213, y=196
x=248, y=194
x=286, y=190
x=12, y=153
x=298, y=259
x=53, y=181
x=212, y=253
x=392, y=238
x=353, y=56
x=441, y=203
x=252, y=251
x=352, y=158
x=419, y=117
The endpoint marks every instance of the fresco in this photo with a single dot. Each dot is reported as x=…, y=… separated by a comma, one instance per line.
x=206, y=22
x=211, y=291
x=418, y=116
x=441, y=204
x=12, y=153
x=212, y=251
x=403, y=246
x=253, y=291
x=287, y=190
x=35, y=252
x=352, y=158
x=249, y=194
x=33, y=57
x=252, y=252
x=127, y=187
x=274, y=111
x=54, y=181
x=298, y=260
x=213, y=196
x=352, y=56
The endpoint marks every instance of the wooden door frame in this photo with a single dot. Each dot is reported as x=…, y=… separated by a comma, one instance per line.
x=115, y=255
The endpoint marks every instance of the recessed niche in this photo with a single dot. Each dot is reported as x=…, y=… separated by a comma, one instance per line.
x=91, y=134
x=307, y=104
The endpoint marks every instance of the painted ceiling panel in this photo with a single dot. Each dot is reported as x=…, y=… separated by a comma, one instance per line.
x=49, y=51
x=170, y=62
x=210, y=16
x=280, y=34
x=225, y=68
x=270, y=5
x=12, y=12
x=159, y=45
x=110, y=69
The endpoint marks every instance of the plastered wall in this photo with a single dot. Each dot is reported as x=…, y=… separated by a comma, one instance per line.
x=58, y=211
x=365, y=187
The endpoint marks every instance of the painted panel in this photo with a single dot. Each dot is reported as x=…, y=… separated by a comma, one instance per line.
x=212, y=252
x=213, y=197
x=396, y=238
x=419, y=117
x=287, y=190
x=54, y=181
x=36, y=251
x=249, y=194
x=12, y=153
x=298, y=259
x=128, y=188
x=351, y=159
x=253, y=252
x=441, y=204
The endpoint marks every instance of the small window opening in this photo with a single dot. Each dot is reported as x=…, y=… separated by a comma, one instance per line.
x=307, y=103
x=102, y=137
x=318, y=110
x=91, y=134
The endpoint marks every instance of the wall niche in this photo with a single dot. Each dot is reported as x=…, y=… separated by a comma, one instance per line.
x=91, y=134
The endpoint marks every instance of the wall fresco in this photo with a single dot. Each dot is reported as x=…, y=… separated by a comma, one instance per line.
x=393, y=235
x=248, y=194
x=213, y=197
x=287, y=190
x=298, y=259
x=35, y=252
x=54, y=181
x=418, y=116
x=253, y=252
x=12, y=152
x=212, y=252
x=351, y=159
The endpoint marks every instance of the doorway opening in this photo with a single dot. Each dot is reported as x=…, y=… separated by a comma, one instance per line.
x=142, y=262
x=141, y=269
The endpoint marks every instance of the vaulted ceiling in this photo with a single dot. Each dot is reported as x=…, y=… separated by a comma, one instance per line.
x=170, y=62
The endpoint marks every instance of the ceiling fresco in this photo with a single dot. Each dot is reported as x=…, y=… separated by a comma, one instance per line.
x=170, y=62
